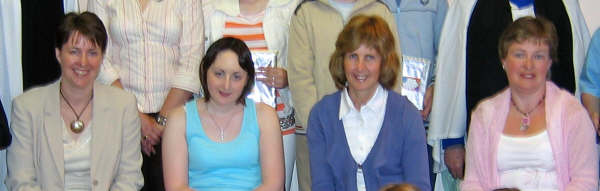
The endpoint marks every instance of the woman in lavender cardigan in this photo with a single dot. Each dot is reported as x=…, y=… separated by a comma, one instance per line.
x=364, y=136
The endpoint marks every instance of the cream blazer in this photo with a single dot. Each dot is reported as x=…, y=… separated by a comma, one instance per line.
x=35, y=158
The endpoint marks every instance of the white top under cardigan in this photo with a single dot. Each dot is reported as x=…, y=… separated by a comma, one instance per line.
x=527, y=163
x=362, y=127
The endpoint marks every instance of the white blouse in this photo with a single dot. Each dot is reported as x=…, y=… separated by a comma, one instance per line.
x=77, y=157
x=362, y=127
x=527, y=163
x=154, y=49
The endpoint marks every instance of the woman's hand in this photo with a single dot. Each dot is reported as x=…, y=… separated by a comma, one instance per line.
x=273, y=77
x=427, y=103
x=151, y=133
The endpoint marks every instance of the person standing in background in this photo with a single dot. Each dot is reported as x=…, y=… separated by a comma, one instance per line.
x=154, y=52
x=590, y=80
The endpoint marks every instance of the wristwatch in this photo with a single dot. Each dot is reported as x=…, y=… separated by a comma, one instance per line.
x=161, y=120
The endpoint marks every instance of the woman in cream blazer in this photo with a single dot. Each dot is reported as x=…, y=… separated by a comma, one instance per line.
x=44, y=120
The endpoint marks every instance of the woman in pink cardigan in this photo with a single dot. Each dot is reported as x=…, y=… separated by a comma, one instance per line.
x=532, y=135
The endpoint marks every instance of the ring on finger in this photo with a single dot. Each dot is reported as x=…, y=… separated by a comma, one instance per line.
x=145, y=137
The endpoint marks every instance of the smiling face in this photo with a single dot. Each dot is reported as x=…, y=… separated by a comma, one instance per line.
x=361, y=68
x=80, y=61
x=526, y=65
x=226, y=79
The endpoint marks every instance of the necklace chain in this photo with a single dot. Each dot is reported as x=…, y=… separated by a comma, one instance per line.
x=221, y=129
x=525, y=120
x=77, y=125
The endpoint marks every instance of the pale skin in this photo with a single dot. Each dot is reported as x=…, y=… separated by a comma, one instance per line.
x=225, y=80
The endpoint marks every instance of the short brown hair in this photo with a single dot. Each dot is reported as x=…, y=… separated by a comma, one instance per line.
x=373, y=32
x=400, y=187
x=528, y=28
x=86, y=24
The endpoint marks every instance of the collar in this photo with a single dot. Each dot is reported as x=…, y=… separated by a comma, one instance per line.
x=232, y=7
x=522, y=3
x=376, y=102
x=359, y=4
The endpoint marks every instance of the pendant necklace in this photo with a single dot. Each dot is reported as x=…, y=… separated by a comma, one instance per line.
x=221, y=129
x=77, y=125
x=525, y=118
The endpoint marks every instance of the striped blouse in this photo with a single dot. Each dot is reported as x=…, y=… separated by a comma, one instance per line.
x=152, y=50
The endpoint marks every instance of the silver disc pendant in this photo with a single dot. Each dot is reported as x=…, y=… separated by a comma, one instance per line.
x=77, y=126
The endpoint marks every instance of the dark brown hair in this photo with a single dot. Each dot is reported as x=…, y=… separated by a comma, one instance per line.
x=244, y=57
x=86, y=24
x=373, y=32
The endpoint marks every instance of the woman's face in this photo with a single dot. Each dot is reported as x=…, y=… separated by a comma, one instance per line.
x=225, y=78
x=527, y=64
x=80, y=61
x=362, y=68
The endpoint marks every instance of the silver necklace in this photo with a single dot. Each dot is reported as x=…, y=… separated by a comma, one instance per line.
x=77, y=125
x=525, y=118
x=219, y=128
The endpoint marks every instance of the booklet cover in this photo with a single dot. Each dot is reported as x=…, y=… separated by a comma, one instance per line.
x=261, y=92
x=415, y=72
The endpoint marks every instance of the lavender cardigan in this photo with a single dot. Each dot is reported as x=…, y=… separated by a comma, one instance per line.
x=399, y=154
x=571, y=133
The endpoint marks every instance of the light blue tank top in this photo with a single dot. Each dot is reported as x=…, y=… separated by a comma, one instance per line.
x=229, y=166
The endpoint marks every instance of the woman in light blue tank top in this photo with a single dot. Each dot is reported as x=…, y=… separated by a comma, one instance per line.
x=224, y=141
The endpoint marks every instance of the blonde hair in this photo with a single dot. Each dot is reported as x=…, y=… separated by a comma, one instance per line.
x=373, y=32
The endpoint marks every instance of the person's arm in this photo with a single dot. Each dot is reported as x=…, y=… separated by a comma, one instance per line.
x=321, y=175
x=592, y=104
x=175, y=153
x=589, y=81
x=415, y=150
x=129, y=176
x=582, y=152
x=271, y=149
x=186, y=80
x=300, y=62
x=19, y=156
x=471, y=181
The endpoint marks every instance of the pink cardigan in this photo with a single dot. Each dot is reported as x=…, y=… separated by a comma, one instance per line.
x=571, y=133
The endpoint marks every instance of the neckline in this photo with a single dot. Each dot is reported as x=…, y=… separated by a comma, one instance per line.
x=236, y=138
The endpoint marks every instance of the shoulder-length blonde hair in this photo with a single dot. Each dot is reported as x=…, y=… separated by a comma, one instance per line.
x=373, y=32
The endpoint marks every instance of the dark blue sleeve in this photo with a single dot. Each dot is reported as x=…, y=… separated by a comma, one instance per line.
x=321, y=175
x=451, y=142
x=414, y=156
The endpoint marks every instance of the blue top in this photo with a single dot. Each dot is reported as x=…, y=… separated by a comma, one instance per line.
x=229, y=166
x=419, y=24
x=399, y=154
x=589, y=80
